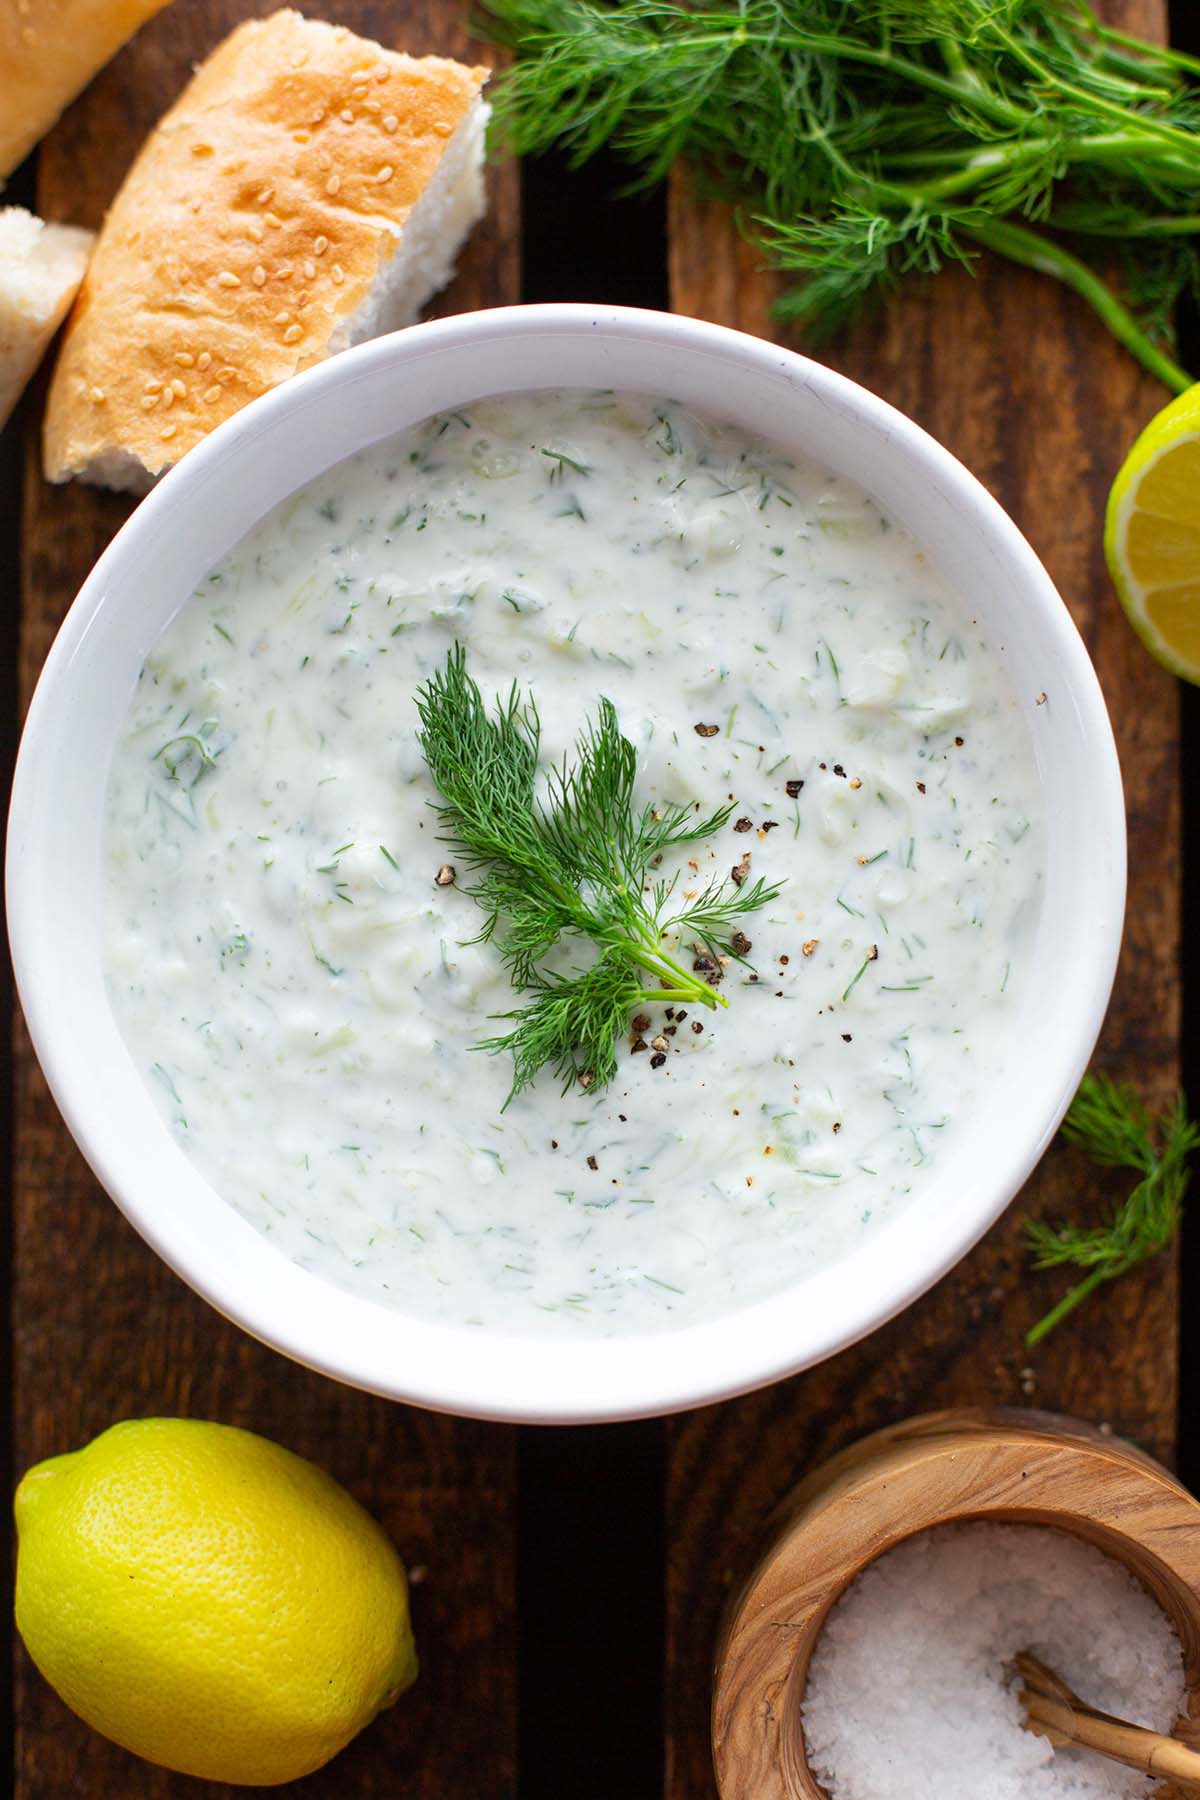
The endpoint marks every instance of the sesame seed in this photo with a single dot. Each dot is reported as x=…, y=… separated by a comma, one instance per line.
x=381, y=73
x=204, y=359
x=281, y=318
x=152, y=387
x=227, y=279
x=319, y=117
x=97, y=396
x=259, y=276
x=325, y=161
x=283, y=271
x=385, y=174
x=372, y=106
x=266, y=195
x=168, y=397
x=149, y=402
x=337, y=274
x=272, y=221
x=321, y=246
x=442, y=129
x=310, y=269
x=301, y=137
x=226, y=374
x=213, y=394
x=390, y=122
x=347, y=115
x=185, y=359
x=293, y=334
x=333, y=185
x=254, y=231
x=202, y=149
x=168, y=431
x=178, y=389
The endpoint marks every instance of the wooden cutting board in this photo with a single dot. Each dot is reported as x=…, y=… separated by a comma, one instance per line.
x=103, y=1330
x=1020, y=382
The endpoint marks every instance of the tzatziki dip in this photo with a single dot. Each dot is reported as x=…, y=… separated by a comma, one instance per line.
x=294, y=961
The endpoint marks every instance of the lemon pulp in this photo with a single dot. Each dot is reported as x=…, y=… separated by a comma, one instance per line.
x=1152, y=535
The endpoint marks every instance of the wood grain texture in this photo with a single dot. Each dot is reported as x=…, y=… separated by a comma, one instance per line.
x=1021, y=382
x=102, y=1330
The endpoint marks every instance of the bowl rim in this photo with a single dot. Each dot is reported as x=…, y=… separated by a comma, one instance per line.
x=546, y=1379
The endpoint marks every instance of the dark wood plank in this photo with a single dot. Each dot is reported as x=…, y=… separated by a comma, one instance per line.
x=1023, y=384
x=102, y=1330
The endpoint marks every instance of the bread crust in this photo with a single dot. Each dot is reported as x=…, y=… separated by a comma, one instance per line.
x=252, y=224
x=49, y=51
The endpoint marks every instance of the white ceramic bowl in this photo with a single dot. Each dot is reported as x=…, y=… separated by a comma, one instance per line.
x=200, y=510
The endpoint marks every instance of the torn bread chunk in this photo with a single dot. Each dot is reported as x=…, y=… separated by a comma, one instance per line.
x=41, y=267
x=307, y=191
x=49, y=51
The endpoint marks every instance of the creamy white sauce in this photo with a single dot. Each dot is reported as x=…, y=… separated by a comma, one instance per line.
x=298, y=991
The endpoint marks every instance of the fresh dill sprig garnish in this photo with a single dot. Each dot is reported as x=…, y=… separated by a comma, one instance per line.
x=1110, y=1123
x=864, y=142
x=569, y=859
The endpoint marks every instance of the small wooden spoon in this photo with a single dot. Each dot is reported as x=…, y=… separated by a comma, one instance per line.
x=1055, y=1713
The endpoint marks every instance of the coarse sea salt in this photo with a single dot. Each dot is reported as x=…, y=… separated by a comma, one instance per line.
x=911, y=1694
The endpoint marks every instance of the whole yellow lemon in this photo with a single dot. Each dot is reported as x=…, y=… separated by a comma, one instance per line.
x=209, y=1600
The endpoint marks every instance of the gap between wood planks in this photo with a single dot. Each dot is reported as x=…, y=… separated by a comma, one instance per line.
x=591, y=1551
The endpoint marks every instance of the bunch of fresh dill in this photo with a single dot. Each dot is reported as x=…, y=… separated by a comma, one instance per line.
x=867, y=141
x=571, y=866
x=1110, y=1123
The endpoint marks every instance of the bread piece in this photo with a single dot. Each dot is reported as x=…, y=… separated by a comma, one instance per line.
x=41, y=267
x=49, y=51
x=307, y=190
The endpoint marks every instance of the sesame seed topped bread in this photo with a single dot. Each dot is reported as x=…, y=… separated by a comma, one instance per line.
x=307, y=190
x=41, y=267
x=49, y=51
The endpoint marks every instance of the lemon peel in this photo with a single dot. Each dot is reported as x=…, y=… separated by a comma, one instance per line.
x=209, y=1600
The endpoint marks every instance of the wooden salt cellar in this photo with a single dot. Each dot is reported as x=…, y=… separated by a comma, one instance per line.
x=1014, y=1467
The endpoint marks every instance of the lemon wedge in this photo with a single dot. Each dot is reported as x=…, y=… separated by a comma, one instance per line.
x=1152, y=535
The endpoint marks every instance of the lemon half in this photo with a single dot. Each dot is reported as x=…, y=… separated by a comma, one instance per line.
x=209, y=1600
x=1152, y=535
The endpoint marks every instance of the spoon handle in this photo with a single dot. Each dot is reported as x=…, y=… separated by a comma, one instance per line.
x=1054, y=1712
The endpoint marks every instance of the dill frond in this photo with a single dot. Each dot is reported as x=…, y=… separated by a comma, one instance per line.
x=570, y=863
x=864, y=143
x=1110, y=1123
x=571, y=1025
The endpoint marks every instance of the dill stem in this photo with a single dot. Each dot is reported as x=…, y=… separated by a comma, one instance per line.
x=1067, y=1305
x=652, y=996
x=1037, y=252
x=1106, y=146
x=1132, y=121
x=1159, y=225
x=849, y=50
x=1114, y=148
x=1148, y=55
x=659, y=963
